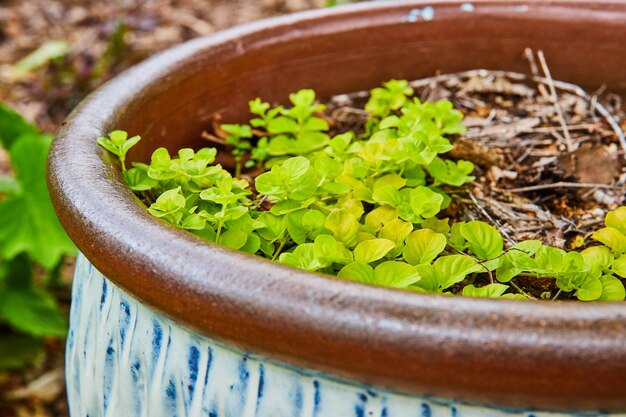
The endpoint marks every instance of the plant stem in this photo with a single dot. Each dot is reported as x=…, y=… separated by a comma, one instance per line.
x=219, y=231
x=238, y=166
x=283, y=242
x=519, y=290
x=220, y=225
x=479, y=262
x=557, y=294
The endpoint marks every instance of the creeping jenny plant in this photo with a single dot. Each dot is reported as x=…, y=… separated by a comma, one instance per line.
x=361, y=207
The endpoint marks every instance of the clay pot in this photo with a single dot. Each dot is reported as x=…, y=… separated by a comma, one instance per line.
x=182, y=327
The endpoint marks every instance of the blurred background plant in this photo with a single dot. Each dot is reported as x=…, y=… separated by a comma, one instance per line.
x=52, y=54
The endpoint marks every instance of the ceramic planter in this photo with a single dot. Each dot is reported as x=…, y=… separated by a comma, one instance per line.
x=164, y=324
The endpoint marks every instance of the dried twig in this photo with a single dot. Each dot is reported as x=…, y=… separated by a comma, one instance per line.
x=491, y=219
x=555, y=100
x=560, y=184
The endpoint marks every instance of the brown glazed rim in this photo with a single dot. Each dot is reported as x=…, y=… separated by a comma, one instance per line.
x=560, y=356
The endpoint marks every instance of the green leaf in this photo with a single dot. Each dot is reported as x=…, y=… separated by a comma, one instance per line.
x=590, y=290
x=193, y=222
x=328, y=167
x=598, y=255
x=617, y=219
x=550, y=260
x=485, y=240
x=337, y=188
x=394, y=181
x=456, y=239
x=108, y=144
x=619, y=266
x=282, y=124
x=290, y=206
x=452, y=269
x=313, y=221
x=32, y=311
x=387, y=195
x=160, y=157
x=234, y=239
x=343, y=226
x=449, y=172
x=423, y=246
x=425, y=202
x=612, y=238
x=315, y=124
x=514, y=297
x=328, y=251
x=253, y=244
x=436, y=225
x=429, y=281
x=12, y=126
x=372, y=250
x=612, y=289
x=244, y=224
x=487, y=291
x=358, y=272
x=303, y=224
x=45, y=53
x=309, y=141
x=16, y=273
x=258, y=106
x=528, y=247
x=396, y=230
x=273, y=226
x=129, y=143
x=292, y=178
x=303, y=257
x=380, y=216
x=169, y=205
x=305, y=188
x=281, y=145
x=391, y=96
x=237, y=131
x=8, y=185
x=395, y=274
x=304, y=97
x=296, y=167
x=389, y=122
x=138, y=180
x=517, y=258
x=294, y=226
x=28, y=222
x=340, y=143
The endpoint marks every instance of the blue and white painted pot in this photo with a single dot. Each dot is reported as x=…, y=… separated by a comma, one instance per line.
x=125, y=359
x=169, y=325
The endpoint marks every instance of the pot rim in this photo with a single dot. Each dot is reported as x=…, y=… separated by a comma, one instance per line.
x=409, y=342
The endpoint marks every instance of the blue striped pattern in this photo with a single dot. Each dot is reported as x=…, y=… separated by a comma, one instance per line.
x=125, y=360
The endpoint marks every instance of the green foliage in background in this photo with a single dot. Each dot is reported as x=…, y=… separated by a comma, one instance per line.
x=362, y=207
x=32, y=244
